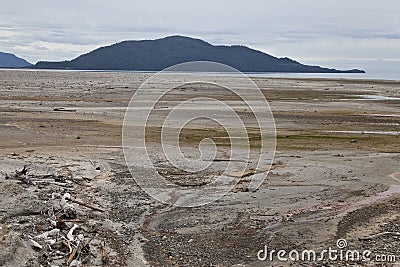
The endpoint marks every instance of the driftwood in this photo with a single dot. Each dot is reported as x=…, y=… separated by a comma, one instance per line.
x=67, y=185
x=45, y=235
x=24, y=171
x=34, y=244
x=20, y=175
x=379, y=235
x=23, y=177
x=72, y=221
x=4, y=231
x=72, y=255
x=59, y=242
x=77, y=240
x=67, y=245
x=64, y=109
x=84, y=204
x=25, y=213
x=70, y=235
x=104, y=253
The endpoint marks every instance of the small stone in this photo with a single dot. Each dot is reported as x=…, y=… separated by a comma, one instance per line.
x=75, y=263
x=35, y=244
x=69, y=211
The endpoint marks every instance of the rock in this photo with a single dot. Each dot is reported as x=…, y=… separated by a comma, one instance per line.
x=69, y=211
x=34, y=244
x=75, y=263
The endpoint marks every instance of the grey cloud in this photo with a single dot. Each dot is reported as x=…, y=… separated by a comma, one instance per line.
x=58, y=30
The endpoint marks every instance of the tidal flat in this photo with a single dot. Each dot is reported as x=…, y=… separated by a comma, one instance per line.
x=335, y=175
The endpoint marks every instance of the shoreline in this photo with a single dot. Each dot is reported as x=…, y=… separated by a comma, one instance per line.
x=254, y=75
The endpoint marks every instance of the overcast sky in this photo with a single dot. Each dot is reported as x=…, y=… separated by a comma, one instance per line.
x=311, y=31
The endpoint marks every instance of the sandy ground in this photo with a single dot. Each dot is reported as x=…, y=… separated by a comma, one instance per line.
x=336, y=175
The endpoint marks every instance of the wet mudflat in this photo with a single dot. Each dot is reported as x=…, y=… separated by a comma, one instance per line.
x=335, y=175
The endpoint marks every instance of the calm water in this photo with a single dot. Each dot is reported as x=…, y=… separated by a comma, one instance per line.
x=376, y=70
x=366, y=76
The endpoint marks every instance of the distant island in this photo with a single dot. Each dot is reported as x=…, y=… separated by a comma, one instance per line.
x=8, y=60
x=156, y=55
